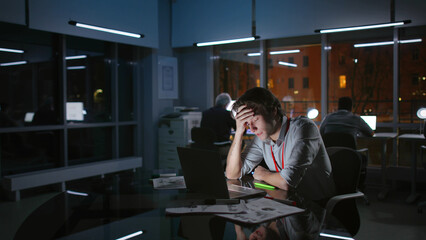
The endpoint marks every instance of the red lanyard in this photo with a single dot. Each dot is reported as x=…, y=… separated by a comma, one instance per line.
x=282, y=152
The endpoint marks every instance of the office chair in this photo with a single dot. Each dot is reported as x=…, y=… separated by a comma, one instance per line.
x=422, y=204
x=340, y=139
x=346, y=165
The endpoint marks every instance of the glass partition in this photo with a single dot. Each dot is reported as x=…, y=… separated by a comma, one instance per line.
x=362, y=72
x=294, y=76
x=237, y=68
x=88, y=66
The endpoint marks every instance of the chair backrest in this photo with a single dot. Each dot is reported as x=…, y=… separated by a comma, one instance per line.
x=339, y=139
x=346, y=168
x=203, y=138
x=346, y=165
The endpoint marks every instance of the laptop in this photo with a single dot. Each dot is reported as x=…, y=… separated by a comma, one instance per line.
x=371, y=121
x=203, y=173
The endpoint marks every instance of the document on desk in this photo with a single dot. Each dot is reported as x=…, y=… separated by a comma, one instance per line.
x=169, y=183
x=262, y=210
x=210, y=208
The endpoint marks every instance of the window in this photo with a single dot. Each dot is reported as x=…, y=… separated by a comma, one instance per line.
x=412, y=81
x=237, y=69
x=296, y=101
x=291, y=83
x=55, y=114
x=362, y=73
x=306, y=61
x=305, y=82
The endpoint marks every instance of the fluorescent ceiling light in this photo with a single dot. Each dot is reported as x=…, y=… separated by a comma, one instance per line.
x=287, y=64
x=11, y=50
x=203, y=44
x=75, y=57
x=76, y=67
x=108, y=30
x=13, y=63
x=335, y=236
x=77, y=193
x=364, y=27
x=386, y=43
x=131, y=235
x=410, y=40
x=253, y=54
x=284, y=52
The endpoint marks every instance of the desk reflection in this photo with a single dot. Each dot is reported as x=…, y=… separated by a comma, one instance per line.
x=114, y=213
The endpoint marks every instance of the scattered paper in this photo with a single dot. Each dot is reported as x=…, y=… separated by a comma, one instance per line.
x=262, y=210
x=216, y=208
x=169, y=183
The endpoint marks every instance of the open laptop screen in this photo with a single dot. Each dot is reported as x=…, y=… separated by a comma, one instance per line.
x=371, y=121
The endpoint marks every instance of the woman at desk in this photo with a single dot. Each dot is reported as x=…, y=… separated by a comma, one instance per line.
x=292, y=148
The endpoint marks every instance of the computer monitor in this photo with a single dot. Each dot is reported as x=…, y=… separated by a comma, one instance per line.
x=370, y=120
x=29, y=116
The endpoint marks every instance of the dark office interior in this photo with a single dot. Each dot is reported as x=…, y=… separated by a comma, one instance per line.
x=83, y=110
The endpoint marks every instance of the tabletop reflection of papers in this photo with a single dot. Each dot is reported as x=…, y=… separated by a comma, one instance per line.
x=254, y=211
x=261, y=210
x=169, y=183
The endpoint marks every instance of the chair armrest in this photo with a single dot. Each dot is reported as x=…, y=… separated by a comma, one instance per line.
x=362, y=150
x=334, y=200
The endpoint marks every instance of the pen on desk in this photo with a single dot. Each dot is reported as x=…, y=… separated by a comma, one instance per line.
x=264, y=186
x=285, y=201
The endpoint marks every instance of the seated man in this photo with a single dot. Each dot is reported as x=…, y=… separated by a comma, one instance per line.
x=292, y=148
x=345, y=121
x=219, y=120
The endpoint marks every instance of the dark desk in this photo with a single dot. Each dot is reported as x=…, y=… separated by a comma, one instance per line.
x=384, y=137
x=413, y=138
x=116, y=212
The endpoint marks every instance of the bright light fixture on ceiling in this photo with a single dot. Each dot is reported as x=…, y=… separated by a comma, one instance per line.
x=287, y=64
x=103, y=29
x=363, y=27
x=284, y=52
x=256, y=54
x=236, y=40
x=75, y=57
x=11, y=50
x=387, y=43
x=13, y=63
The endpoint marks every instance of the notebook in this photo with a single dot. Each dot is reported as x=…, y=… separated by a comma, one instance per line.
x=371, y=121
x=203, y=173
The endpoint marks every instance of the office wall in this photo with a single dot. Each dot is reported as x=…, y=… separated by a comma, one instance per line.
x=196, y=77
x=201, y=21
x=12, y=11
x=138, y=16
x=411, y=9
x=153, y=107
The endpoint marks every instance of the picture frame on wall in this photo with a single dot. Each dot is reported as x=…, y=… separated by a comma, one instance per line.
x=168, y=78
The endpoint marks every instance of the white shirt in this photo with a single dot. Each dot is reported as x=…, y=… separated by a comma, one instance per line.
x=307, y=167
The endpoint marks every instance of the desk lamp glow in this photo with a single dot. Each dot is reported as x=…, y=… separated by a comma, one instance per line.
x=421, y=113
x=312, y=113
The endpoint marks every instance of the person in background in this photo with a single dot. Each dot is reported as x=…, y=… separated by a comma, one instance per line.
x=343, y=120
x=292, y=148
x=219, y=119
